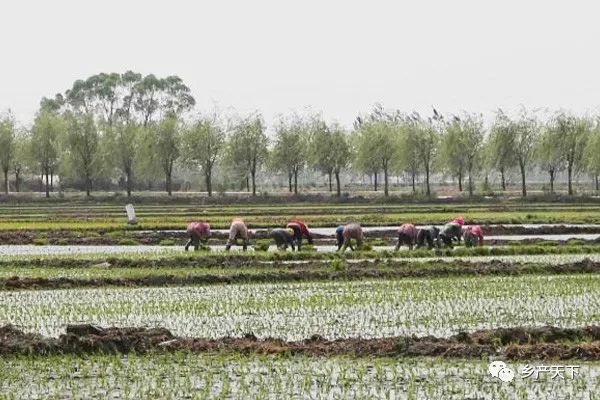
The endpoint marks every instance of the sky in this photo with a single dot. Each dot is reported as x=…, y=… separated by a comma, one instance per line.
x=334, y=57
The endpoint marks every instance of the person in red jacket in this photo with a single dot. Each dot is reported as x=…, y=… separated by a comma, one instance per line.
x=473, y=235
x=300, y=231
x=198, y=232
x=407, y=234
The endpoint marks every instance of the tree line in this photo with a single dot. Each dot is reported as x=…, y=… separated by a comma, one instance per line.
x=127, y=126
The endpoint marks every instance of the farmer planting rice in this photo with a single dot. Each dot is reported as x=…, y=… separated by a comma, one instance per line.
x=473, y=236
x=451, y=231
x=430, y=235
x=237, y=231
x=300, y=232
x=198, y=232
x=407, y=234
x=284, y=238
x=345, y=234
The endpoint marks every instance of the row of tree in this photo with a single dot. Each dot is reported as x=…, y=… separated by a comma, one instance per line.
x=127, y=126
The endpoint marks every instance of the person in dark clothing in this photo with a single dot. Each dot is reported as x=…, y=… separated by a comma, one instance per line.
x=283, y=238
x=430, y=235
x=451, y=231
x=339, y=237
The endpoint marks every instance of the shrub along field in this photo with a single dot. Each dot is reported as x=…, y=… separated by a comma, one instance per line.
x=133, y=320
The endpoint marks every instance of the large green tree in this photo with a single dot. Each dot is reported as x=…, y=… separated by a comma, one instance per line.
x=83, y=141
x=340, y=153
x=126, y=96
x=21, y=157
x=7, y=146
x=452, y=151
x=46, y=133
x=290, y=150
x=549, y=151
x=203, y=144
x=165, y=142
x=247, y=147
x=427, y=138
x=592, y=155
x=124, y=143
x=574, y=132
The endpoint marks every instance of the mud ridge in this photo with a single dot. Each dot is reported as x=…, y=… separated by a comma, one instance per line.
x=542, y=343
x=307, y=272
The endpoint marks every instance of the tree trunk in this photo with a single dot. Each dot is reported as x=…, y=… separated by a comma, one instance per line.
x=253, y=182
x=51, y=180
x=296, y=181
x=523, y=184
x=503, y=179
x=168, y=184
x=460, y=188
x=385, y=181
x=47, y=183
x=247, y=183
x=570, y=173
x=597, y=185
x=375, y=180
x=42, y=182
x=414, y=188
x=427, y=180
x=208, y=179
x=470, y=184
x=169, y=178
x=17, y=181
x=330, y=187
x=290, y=181
x=551, y=181
x=6, y=181
x=88, y=185
x=338, y=186
x=128, y=177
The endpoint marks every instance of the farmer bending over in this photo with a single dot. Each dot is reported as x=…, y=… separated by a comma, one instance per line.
x=407, y=234
x=198, y=232
x=430, y=235
x=473, y=236
x=237, y=230
x=349, y=232
x=284, y=238
x=451, y=231
x=300, y=232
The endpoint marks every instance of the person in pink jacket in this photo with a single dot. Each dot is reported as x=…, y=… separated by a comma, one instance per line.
x=238, y=230
x=198, y=232
x=407, y=234
x=346, y=233
x=473, y=235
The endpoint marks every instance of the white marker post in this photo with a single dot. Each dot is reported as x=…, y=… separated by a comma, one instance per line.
x=131, y=219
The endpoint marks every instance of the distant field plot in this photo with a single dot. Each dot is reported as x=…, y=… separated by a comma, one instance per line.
x=101, y=216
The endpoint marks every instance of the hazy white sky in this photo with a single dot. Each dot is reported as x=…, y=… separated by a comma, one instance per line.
x=340, y=57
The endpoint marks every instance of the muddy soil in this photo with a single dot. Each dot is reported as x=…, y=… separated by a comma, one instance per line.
x=310, y=271
x=543, y=343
